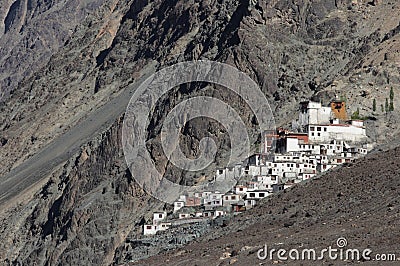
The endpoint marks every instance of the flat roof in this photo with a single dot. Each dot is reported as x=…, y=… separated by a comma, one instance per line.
x=297, y=133
x=335, y=125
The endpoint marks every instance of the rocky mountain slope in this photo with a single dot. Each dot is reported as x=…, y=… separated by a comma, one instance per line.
x=83, y=209
x=359, y=202
x=31, y=32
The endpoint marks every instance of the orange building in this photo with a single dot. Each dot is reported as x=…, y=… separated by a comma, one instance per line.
x=339, y=109
x=193, y=201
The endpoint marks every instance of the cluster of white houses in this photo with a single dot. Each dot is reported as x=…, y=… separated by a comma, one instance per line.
x=322, y=138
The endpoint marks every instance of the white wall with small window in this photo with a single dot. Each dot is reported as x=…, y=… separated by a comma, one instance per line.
x=184, y=215
x=326, y=133
x=257, y=194
x=240, y=189
x=229, y=199
x=149, y=229
x=178, y=205
x=159, y=216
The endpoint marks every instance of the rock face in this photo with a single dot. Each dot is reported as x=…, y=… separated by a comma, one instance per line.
x=83, y=212
x=294, y=50
x=31, y=32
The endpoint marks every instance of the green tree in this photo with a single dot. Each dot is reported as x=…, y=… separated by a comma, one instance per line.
x=391, y=96
x=374, y=105
x=356, y=114
x=382, y=109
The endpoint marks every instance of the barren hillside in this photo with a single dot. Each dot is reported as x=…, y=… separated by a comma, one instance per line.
x=359, y=202
x=80, y=206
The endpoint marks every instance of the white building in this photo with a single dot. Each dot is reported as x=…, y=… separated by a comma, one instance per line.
x=240, y=189
x=315, y=113
x=252, y=197
x=158, y=217
x=254, y=170
x=184, y=215
x=214, y=199
x=339, y=132
x=293, y=145
x=149, y=229
x=158, y=224
x=230, y=198
x=178, y=205
x=266, y=182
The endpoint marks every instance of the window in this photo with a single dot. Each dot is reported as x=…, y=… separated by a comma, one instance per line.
x=220, y=172
x=273, y=178
x=148, y=227
x=233, y=197
x=318, y=128
x=241, y=189
x=261, y=195
x=312, y=128
x=319, y=134
x=325, y=129
x=252, y=195
x=339, y=160
x=312, y=134
x=160, y=215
